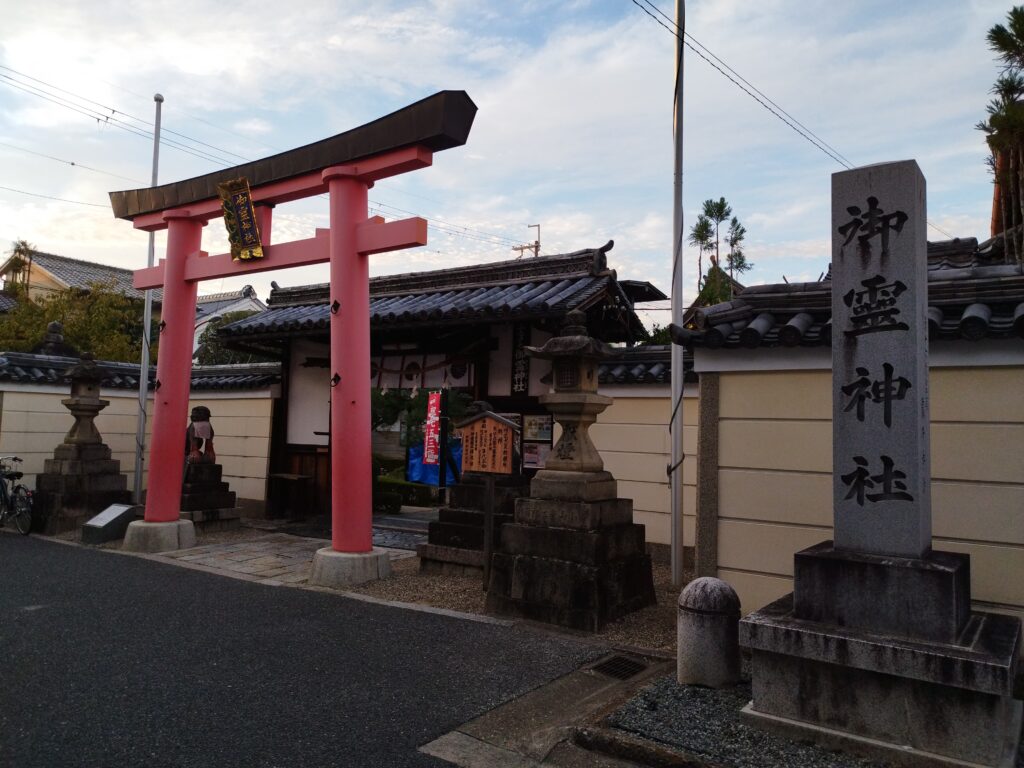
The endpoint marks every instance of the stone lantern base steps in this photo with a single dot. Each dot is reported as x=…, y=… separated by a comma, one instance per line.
x=455, y=541
x=80, y=481
x=572, y=555
x=206, y=499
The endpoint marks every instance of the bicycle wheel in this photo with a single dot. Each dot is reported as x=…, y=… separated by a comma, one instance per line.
x=22, y=509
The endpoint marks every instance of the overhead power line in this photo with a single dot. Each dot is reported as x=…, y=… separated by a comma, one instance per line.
x=763, y=101
x=756, y=94
x=68, y=162
x=50, y=197
x=107, y=115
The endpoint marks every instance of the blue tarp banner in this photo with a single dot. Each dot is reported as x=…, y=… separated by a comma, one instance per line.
x=418, y=472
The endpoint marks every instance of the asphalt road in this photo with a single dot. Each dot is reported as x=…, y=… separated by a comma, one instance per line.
x=114, y=661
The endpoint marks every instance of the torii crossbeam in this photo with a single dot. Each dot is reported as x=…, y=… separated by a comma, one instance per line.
x=345, y=166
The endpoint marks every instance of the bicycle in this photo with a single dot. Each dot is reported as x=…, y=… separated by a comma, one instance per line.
x=15, y=500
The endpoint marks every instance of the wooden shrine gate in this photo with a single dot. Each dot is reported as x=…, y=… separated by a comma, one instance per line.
x=345, y=166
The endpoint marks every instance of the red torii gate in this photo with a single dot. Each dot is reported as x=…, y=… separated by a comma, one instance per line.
x=345, y=166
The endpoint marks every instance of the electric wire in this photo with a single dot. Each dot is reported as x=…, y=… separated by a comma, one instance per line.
x=757, y=90
x=51, y=197
x=115, y=111
x=104, y=119
x=759, y=97
x=69, y=162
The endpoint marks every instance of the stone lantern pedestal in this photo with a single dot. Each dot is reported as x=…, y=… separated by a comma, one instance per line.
x=81, y=479
x=572, y=555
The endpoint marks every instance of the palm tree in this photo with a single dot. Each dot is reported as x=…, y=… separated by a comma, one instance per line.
x=717, y=211
x=736, y=259
x=700, y=238
x=1008, y=41
x=1004, y=131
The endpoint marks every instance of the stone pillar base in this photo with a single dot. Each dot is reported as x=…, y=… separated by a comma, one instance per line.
x=159, y=537
x=954, y=700
x=344, y=569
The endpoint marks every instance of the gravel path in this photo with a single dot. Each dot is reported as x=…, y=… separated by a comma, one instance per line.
x=705, y=722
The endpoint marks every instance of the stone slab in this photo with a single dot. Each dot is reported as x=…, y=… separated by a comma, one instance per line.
x=203, y=473
x=462, y=536
x=198, y=501
x=111, y=523
x=159, y=537
x=211, y=515
x=900, y=755
x=473, y=558
x=956, y=722
x=344, y=569
x=579, y=515
x=923, y=598
x=573, y=486
x=573, y=595
x=605, y=545
x=986, y=661
x=91, y=452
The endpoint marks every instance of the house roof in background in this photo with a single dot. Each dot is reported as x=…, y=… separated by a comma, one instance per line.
x=215, y=303
x=962, y=275
x=76, y=273
x=27, y=368
x=519, y=289
x=7, y=302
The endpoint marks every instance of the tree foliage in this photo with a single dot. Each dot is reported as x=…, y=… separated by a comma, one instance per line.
x=1004, y=132
x=212, y=350
x=705, y=236
x=388, y=407
x=100, y=320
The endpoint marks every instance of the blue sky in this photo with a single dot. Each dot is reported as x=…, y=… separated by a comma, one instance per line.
x=573, y=133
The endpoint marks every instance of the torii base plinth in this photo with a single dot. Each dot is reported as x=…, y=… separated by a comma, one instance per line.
x=336, y=570
x=159, y=537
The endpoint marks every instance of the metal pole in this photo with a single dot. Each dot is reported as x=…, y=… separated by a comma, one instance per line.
x=147, y=317
x=676, y=420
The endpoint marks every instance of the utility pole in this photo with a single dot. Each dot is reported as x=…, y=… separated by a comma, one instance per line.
x=535, y=247
x=147, y=317
x=675, y=471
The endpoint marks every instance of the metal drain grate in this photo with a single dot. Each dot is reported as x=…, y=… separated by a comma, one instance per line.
x=620, y=667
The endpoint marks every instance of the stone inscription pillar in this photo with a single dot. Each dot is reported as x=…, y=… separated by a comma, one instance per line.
x=881, y=468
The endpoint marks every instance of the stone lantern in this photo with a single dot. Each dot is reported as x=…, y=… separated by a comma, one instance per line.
x=573, y=555
x=85, y=402
x=574, y=404
x=82, y=479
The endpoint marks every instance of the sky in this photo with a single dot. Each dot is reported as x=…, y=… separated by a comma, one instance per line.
x=573, y=132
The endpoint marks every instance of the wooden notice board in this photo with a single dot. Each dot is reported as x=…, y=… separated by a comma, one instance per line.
x=487, y=444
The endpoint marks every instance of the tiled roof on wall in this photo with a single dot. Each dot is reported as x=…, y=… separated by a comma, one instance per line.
x=643, y=364
x=26, y=368
x=971, y=295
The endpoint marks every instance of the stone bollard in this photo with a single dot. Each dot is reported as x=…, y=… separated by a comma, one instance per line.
x=708, y=633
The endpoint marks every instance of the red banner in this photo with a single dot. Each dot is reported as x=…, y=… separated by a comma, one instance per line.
x=432, y=429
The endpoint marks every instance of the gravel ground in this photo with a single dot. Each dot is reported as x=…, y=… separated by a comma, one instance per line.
x=705, y=723
x=652, y=628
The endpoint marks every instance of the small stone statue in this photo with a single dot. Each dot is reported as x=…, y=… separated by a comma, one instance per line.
x=199, y=438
